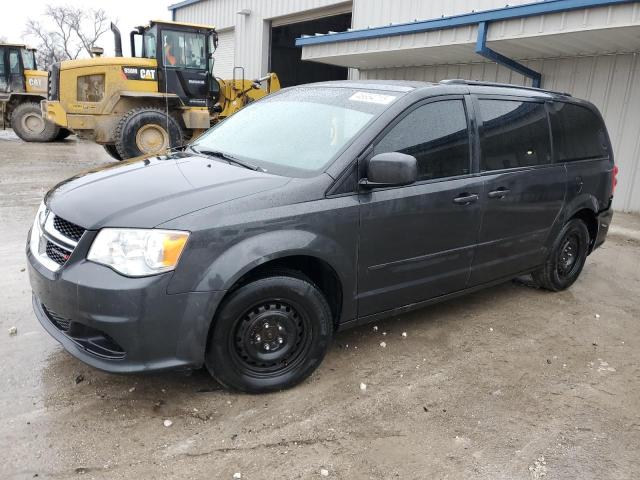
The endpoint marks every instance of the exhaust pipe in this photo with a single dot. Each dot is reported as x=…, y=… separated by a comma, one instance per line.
x=117, y=39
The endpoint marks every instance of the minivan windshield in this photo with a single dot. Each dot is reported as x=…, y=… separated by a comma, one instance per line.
x=296, y=132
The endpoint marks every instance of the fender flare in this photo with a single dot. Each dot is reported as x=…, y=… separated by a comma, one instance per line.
x=584, y=201
x=241, y=258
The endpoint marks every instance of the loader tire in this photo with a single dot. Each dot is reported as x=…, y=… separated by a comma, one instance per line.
x=146, y=131
x=27, y=122
x=112, y=151
x=62, y=134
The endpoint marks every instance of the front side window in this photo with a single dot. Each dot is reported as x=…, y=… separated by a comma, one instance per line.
x=298, y=131
x=28, y=59
x=184, y=50
x=514, y=134
x=578, y=134
x=437, y=135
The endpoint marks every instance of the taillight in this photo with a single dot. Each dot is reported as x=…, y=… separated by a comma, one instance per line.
x=614, y=179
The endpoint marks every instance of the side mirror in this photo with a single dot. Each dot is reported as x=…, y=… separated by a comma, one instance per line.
x=390, y=170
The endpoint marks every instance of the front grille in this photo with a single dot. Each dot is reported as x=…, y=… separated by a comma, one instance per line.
x=58, y=321
x=68, y=229
x=54, y=82
x=57, y=253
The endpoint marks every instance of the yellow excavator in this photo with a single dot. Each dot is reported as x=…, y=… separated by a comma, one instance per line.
x=161, y=97
x=22, y=88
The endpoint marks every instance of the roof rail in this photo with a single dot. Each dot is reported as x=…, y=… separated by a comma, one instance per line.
x=462, y=81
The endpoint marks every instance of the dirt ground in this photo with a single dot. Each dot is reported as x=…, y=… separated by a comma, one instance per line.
x=508, y=383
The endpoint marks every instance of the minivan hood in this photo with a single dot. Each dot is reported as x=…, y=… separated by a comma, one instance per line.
x=144, y=193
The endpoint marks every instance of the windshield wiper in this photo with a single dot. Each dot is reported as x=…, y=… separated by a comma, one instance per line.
x=228, y=158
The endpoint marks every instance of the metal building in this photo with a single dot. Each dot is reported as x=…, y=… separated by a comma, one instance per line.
x=589, y=48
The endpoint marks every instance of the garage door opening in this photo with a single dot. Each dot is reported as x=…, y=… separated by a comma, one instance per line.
x=286, y=57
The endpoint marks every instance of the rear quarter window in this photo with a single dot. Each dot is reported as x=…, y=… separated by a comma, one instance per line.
x=578, y=133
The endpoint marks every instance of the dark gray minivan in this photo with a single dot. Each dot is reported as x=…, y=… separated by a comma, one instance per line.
x=318, y=208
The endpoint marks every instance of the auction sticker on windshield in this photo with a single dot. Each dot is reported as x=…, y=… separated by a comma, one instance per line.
x=372, y=98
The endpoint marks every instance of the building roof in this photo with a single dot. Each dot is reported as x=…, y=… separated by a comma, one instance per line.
x=550, y=29
x=473, y=18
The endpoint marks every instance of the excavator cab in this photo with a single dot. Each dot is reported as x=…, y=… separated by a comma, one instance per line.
x=184, y=53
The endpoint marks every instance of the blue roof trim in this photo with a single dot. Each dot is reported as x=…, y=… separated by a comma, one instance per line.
x=518, y=11
x=182, y=4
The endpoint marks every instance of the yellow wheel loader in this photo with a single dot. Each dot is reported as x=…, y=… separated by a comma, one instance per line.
x=22, y=88
x=159, y=98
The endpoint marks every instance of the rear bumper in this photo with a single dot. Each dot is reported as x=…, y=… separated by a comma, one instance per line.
x=604, y=222
x=121, y=324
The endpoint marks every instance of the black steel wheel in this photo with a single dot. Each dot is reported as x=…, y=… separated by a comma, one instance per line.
x=270, y=334
x=566, y=259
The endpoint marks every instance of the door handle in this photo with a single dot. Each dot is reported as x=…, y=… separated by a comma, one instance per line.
x=466, y=199
x=499, y=193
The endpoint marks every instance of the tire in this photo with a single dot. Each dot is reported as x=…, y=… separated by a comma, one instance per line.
x=27, y=122
x=287, y=313
x=146, y=131
x=112, y=151
x=566, y=259
x=62, y=134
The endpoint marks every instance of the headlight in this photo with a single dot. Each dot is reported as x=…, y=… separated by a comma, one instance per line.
x=36, y=229
x=138, y=253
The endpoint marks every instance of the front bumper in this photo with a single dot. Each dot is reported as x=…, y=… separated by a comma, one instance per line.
x=121, y=324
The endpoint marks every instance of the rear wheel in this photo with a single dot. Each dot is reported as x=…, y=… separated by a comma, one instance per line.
x=566, y=259
x=270, y=334
x=112, y=151
x=27, y=122
x=146, y=131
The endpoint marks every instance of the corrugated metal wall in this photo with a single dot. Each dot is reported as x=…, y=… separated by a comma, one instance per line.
x=612, y=82
x=375, y=13
x=251, y=32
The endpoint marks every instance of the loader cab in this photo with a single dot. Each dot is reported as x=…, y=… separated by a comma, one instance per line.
x=184, y=53
x=14, y=60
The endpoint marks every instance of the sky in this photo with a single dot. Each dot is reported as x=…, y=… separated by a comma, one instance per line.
x=126, y=14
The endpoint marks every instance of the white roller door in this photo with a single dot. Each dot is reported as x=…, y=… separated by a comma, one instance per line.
x=225, y=54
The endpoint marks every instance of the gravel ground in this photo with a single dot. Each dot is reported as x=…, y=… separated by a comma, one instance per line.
x=508, y=383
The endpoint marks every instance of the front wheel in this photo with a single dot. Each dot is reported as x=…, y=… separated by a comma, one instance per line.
x=566, y=259
x=269, y=335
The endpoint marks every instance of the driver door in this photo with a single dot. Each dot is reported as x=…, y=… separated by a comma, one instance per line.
x=4, y=79
x=16, y=72
x=184, y=72
x=417, y=242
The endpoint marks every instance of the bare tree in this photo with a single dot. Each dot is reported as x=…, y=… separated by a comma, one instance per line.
x=67, y=32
